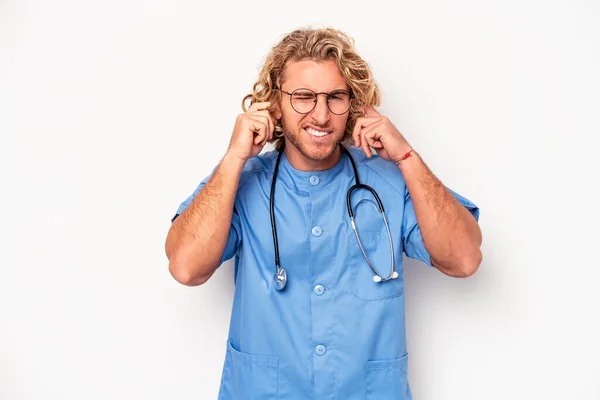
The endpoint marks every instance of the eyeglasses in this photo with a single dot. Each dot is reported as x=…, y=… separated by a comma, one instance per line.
x=304, y=100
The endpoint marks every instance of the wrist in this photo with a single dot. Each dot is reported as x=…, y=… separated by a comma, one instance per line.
x=405, y=156
x=233, y=159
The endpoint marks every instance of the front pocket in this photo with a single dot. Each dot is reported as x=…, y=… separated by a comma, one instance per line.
x=387, y=379
x=249, y=376
x=377, y=248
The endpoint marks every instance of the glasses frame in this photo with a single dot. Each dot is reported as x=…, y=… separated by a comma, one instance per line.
x=329, y=95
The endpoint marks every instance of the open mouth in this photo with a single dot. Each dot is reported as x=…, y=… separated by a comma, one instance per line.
x=316, y=133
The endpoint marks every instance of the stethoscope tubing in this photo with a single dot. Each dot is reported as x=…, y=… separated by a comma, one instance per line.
x=280, y=277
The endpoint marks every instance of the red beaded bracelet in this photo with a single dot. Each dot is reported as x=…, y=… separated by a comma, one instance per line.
x=404, y=157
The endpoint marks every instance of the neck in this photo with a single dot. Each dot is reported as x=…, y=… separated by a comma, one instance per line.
x=301, y=163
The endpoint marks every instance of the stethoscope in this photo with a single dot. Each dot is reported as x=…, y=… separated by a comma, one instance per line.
x=280, y=277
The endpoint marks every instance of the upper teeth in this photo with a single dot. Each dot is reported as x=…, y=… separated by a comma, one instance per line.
x=315, y=132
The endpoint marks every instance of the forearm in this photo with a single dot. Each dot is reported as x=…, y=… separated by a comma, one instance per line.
x=450, y=233
x=197, y=238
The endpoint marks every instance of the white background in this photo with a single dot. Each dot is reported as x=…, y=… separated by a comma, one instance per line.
x=117, y=109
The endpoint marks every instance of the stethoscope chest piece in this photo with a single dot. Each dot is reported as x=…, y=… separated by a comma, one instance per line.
x=280, y=276
x=280, y=279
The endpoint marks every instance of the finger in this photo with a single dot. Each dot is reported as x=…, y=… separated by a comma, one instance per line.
x=366, y=148
x=264, y=117
x=259, y=128
x=360, y=124
x=371, y=111
x=365, y=145
x=372, y=139
x=269, y=119
x=374, y=130
x=259, y=106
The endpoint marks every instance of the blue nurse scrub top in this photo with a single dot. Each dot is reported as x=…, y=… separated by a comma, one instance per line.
x=332, y=333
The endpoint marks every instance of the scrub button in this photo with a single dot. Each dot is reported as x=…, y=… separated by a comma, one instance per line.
x=320, y=350
x=317, y=231
x=319, y=290
x=314, y=180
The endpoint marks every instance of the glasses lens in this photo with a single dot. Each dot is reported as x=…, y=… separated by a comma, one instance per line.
x=303, y=100
x=339, y=102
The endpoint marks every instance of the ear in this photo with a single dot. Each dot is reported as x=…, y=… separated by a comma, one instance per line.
x=277, y=113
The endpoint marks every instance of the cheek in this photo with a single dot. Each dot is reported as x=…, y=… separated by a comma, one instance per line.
x=294, y=120
x=340, y=123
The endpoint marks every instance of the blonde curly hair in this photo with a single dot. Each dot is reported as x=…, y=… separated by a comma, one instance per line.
x=317, y=45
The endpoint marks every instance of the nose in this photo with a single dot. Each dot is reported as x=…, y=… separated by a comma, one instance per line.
x=321, y=113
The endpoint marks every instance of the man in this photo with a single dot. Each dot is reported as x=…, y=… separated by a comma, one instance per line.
x=318, y=310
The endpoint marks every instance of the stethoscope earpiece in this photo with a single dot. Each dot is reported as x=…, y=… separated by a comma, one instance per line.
x=280, y=276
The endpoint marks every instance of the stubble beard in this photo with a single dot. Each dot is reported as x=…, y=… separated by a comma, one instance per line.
x=293, y=136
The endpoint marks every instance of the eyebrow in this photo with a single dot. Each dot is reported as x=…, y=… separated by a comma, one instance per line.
x=330, y=91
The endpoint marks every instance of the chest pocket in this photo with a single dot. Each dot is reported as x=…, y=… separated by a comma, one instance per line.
x=375, y=241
